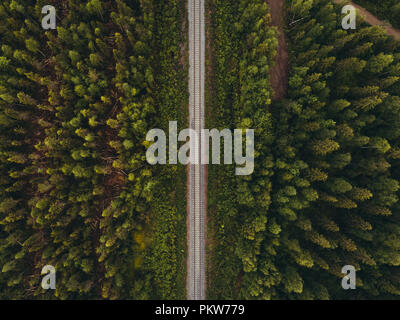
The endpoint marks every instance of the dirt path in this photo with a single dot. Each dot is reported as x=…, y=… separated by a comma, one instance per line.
x=372, y=20
x=280, y=71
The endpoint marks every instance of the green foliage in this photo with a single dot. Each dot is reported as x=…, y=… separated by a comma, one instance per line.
x=76, y=190
x=336, y=133
x=239, y=96
x=325, y=192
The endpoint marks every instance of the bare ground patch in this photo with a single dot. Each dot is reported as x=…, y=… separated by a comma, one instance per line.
x=280, y=71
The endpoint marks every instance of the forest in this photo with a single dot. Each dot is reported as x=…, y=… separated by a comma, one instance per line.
x=336, y=177
x=76, y=191
x=325, y=193
x=242, y=50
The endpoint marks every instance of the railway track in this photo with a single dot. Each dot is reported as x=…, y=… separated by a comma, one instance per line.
x=196, y=229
